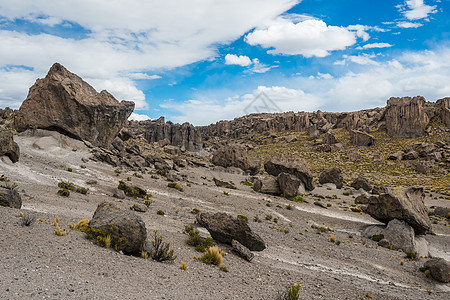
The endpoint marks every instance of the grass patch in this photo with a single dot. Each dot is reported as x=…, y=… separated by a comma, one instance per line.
x=175, y=185
x=200, y=244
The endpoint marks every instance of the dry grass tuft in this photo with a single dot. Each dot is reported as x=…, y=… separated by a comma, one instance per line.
x=58, y=231
x=213, y=256
x=183, y=266
x=108, y=241
x=82, y=225
x=332, y=238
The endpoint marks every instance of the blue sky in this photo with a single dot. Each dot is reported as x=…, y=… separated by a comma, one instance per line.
x=207, y=60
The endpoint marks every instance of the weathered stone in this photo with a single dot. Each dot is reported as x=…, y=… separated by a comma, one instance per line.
x=444, y=106
x=353, y=155
x=362, y=199
x=139, y=207
x=361, y=183
x=400, y=234
x=324, y=148
x=411, y=155
x=329, y=139
x=396, y=156
x=401, y=204
x=332, y=175
x=439, y=269
x=384, y=243
x=9, y=197
x=360, y=138
x=119, y=194
x=296, y=166
x=224, y=184
x=442, y=211
x=426, y=167
x=406, y=117
x=126, y=229
x=266, y=185
x=290, y=138
x=224, y=228
x=289, y=184
x=7, y=145
x=234, y=156
x=243, y=251
x=378, y=190
x=62, y=101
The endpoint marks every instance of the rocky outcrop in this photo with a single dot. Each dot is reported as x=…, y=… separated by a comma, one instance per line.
x=289, y=184
x=185, y=135
x=361, y=183
x=332, y=175
x=266, y=185
x=224, y=228
x=7, y=145
x=401, y=204
x=62, y=101
x=360, y=138
x=242, y=251
x=9, y=197
x=296, y=166
x=444, y=110
x=235, y=156
x=127, y=230
x=439, y=269
x=406, y=117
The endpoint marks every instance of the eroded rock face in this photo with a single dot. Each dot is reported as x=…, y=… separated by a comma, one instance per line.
x=296, y=166
x=62, y=101
x=10, y=198
x=332, y=175
x=235, y=156
x=224, y=228
x=406, y=117
x=289, y=184
x=7, y=145
x=360, y=138
x=444, y=106
x=401, y=204
x=266, y=185
x=127, y=230
x=361, y=183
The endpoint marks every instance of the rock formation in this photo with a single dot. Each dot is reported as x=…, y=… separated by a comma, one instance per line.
x=444, y=110
x=332, y=175
x=7, y=145
x=235, y=156
x=9, y=197
x=439, y=269
x=360, y=138
x=62, y=101
x=406, y=117
x=224, y=228
x=296, y=166
x=185, y=135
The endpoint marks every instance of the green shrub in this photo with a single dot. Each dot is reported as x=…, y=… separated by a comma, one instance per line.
x=66, y=185
x=195, y=211
x=64, y=192
x=243, y=218
x=161, y=250
x=160, y=212
x=133, y=191
x=226, y=193
x=291, y=294
x=297, y=198
x=161, y=172
x=377, y=237
x=411, y=255
x=69, y=170
x=200, y=244
x=289, y=207
x=268, y=217
x=82, y=190
x=175, y=185
x=137, y=175
x=247, y=183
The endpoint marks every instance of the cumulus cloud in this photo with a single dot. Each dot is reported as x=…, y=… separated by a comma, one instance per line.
x=138, y=117
x=143, y=76
x=376, y=45
x=241, y=60
x=416, y=9
x=125, y=37
x=408, y=25
x=308, y=38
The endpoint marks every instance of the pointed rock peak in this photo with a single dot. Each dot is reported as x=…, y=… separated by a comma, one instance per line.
x=57, y=68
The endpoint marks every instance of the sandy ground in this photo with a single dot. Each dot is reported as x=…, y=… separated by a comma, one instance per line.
x=35, y=263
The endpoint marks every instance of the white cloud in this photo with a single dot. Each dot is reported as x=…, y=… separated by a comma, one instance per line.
x=143, y=76
x=138, y=117
x=376, y=45
x=125, y=37
x=241, y=60
x=363, y=59
x=308, y=38
x=408, y=25
x=361, y=31
x=416, y=9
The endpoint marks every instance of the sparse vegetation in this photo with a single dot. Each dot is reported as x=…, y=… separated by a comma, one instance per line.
x=243, y=218
x=226, y=193
x=200, y=244
x=212, y=256
x=292, y=293
x=183, y=266
x=160, y=212
x=175, y=185
x=332, y=238
x=247, y=183
x=133, y=191
x=28, y=219
x=268, y=217
x=412, y=255
x=195, y=211
x=64, y=192
x=297, y=198
x=377, y=237
x=161, y=250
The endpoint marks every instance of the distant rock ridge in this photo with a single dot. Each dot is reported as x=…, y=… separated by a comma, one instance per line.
x=62, y=101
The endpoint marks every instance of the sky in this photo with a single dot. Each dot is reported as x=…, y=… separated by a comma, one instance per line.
x=201, y=61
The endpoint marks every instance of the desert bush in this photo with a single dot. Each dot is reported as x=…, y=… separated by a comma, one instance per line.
x=137, y=175
x=82, y=190
x=69, y=170
x=59, y=232
x=183, y=266
x=82, y=225
x=161, y=172
x=161, y=250
x=332, y=238
x=212, y=256
x=200, y=244
x=247, y=183
x=293, y=293
x=268, y=217
x=64, y=192
x=160, y=212
x=28, y=220
x=377, y=237
x=243, y=218
x=175, y=185
x=412, y=255
x=297, y=198
x=195, y=211
x=66, y=185
x=133, y=191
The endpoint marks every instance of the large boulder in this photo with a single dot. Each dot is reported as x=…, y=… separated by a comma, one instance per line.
x=439, y=269
x=7, y=145
x=224, y=228
x=444, y=106
x=361, y=138
x=62, y=101
x=9, y=197
x=266, y=185
x=127, y=230
x=332, y=175
x=406, y=117
x=235, y=156
x=361, y=183
x=296, y=166
x=289, y=184
x=401, y=204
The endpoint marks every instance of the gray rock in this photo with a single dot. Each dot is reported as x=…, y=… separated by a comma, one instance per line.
x=329, y=139
x=9, y=197
x=266, y=185
x=353, y=156
x=396, y=156
x=362, y=199
x=224, y=184
x=289, y=184
x=243, y=251
x=224, y=228
x=360, y=138
x=439, y=269
x=332, y=175
x=235, y=156
x=406, y=117
x=127, y=230
x=411, y=155
x=7, y=145
x=442, y=211
x=296, y=166
x=384, y=243
x=361, y=183
x=401, y=204
x=426, y=167
x=139, y=207
x=119, y=194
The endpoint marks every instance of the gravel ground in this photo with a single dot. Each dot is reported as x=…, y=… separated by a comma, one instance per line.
x=36, y=264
